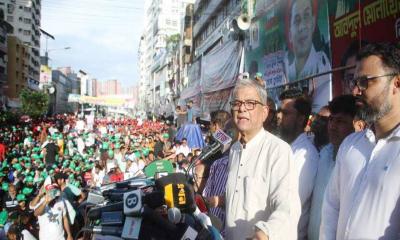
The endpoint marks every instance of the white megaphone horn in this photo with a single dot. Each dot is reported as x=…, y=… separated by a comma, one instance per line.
x=243, y=22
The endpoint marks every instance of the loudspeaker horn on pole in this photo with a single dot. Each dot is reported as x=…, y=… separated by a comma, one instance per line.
x=243, y=22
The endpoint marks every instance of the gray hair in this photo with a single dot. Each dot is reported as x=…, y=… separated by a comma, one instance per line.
x=248, y=82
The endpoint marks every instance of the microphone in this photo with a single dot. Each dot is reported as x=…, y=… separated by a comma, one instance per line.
x=180, y=195
x=95, y=213
x=184, y=220
x=104, y=230
x=202, y=218
x=174, y=215
x=222, y=143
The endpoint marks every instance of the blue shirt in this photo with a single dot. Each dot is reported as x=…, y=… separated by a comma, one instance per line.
x=216, y=185
x=190, y=115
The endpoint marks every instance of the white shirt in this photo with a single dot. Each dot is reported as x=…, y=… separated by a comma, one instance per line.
x=183, y=149
x=80, y=125
x=317, y=62
x=27, y=235
x=132, y=170
x=51, y=225
x=305, y=157
x=362, y=200
x=326, y=164
x=261, y=189
x=97, y=177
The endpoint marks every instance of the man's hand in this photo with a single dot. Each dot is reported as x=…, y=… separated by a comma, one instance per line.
x=259, y=235
x=48, y=198
x=215, y=201
x=69, y=237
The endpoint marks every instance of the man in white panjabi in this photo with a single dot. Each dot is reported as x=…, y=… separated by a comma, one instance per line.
x=261, y=200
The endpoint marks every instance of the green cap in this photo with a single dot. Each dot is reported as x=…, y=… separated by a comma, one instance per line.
x=105, y=145
x=21, y=198
x=2, y=174
x=17, y=167
x=29, y=179
x=165, y=135
x=4, y=186
x=110, y=153
x=3, y=217
x=27, y=190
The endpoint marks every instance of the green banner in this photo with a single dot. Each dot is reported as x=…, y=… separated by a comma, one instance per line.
x=290, y=41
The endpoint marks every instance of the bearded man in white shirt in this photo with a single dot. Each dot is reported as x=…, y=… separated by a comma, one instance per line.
x=261, y=200
x=295, y=109
x=362, y=197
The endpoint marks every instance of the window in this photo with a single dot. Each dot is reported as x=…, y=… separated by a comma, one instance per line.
x=10, y=8
x=27, y=32
x=10, y=18
x=27, y=20
x=174, y=23
x=168, y=21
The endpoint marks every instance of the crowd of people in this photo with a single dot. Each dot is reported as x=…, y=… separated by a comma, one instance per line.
x=289, y=173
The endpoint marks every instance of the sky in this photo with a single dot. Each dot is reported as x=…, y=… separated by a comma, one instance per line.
x=103, y=36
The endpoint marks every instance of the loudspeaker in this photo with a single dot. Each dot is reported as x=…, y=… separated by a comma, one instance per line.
x=243, y=22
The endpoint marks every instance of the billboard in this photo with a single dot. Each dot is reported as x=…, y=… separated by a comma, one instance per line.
x=45, y=74
x=289, y=42
x=355, y=23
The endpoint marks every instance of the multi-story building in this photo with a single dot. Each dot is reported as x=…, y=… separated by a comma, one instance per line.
x=210, y=55
x=5, y=29
x=84, y=82
x=17, y=67
x=59, y=98
x=163, y=19
x=25, y=17
x=109, y=87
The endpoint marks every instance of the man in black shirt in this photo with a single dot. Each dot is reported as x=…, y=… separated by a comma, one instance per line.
x=51, y=151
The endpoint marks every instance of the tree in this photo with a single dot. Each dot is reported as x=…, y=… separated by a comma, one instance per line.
x=34, y=104
x=173, y=41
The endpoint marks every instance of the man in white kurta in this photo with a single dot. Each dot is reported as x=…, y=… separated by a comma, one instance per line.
x=261, y=200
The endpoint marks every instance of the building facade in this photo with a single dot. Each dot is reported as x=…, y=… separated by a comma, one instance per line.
x=17, y=67
x=163, y=20
x=25, y=18
x=5, y=29
x=59, y=98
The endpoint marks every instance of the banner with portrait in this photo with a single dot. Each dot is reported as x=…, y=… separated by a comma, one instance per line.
x=353, y=25
x=289, y=43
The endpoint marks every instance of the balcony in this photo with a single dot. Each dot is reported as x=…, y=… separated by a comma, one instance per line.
x=210, y=9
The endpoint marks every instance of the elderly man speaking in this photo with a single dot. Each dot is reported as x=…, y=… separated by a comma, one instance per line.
x=262, y=200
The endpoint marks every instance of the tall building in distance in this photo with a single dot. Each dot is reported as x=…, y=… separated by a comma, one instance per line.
x=163, y=18
x=25, y=18
x=108, y=88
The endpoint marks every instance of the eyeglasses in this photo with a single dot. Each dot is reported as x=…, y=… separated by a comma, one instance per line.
x=362, y=82
x=248, y=104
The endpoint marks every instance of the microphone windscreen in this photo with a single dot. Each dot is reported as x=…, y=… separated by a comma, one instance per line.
x=174, y=215
x=170, y=178
x=180, y=195
x=154, y=199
